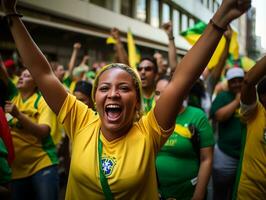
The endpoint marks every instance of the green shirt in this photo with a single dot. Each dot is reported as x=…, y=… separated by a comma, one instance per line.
x=177, y=163
x=230, y=131
x=148, y=103
x=5, y=170
x=67, y=81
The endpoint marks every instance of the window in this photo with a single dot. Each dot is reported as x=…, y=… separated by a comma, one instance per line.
x=176, y=22
x=191, y=22
x=141, y=10
x=154, y=10
x=184, y=22
x=108, y=4
x=166, y=13
x=205, y=3
x=126, y=7
x=215, y=6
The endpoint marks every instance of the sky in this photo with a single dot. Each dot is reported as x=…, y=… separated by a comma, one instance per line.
x=260, y=6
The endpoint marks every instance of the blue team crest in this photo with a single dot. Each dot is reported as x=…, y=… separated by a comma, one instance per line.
x=108, y=165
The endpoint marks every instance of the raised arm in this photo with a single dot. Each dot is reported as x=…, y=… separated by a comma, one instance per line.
x=248, y=90
x=73, y=58
x=168, y=27
x=34, y=60
x=120, y=50
x=85, y=60
x=192, y=65
x=215, y=74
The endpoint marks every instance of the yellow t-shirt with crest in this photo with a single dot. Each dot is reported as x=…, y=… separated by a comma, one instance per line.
x=128, y=162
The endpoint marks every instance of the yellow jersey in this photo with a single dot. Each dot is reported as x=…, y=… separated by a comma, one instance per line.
x=129, y=161
x=252, y=182
x=32, y=153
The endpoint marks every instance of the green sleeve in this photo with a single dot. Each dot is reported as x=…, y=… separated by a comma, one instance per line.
x=221, y=100
x=5, y=171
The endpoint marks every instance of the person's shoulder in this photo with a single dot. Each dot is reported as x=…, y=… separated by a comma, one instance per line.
x=196, y=113
x=194, y=109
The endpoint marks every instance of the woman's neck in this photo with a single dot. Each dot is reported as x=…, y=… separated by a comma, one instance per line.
x=26, y=94
x=113, y=135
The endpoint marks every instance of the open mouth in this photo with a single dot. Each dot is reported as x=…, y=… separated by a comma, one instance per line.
x=19, y=82
x=143, y=77
x=113, y=112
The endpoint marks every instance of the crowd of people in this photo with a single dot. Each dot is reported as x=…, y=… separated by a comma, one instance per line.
x=111, y=131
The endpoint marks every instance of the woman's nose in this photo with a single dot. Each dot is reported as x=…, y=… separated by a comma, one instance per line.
x=113, y=93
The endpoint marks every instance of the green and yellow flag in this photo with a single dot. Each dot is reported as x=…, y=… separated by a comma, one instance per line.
x=194, y=33
x=246, y=63
x=133, y=53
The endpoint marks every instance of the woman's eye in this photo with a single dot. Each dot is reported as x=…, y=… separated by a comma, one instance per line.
x=103, y=89
x=124, y=88
x=157, y=93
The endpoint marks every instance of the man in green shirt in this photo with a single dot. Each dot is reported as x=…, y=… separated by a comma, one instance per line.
x=225, y=111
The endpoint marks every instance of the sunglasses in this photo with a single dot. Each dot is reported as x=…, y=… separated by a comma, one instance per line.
x=146, y=68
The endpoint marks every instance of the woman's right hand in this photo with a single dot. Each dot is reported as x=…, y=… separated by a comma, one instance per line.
x=9, y=6
x=12, y=109
x=230, y=10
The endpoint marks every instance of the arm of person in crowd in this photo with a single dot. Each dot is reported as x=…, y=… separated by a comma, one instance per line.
x=168, y=27
x=228, y=110
x=85, y=60
x=248, y=90
x=119, y=47
x=3, y=72
x=192, y=65
x=73, y=58
x=215, y=74
x=39, y=130
x=204, y=174
x=34, y=59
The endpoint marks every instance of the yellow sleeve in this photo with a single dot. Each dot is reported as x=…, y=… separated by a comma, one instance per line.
x=75, y=115
x=158, y=135
x=45, y=113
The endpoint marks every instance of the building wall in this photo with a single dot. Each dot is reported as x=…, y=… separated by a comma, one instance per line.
x=97, y=17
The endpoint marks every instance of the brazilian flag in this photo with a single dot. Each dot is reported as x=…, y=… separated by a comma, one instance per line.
x=245, y=62
x=193, y=34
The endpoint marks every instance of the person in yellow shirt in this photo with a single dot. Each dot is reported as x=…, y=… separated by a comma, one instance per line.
x=34, y=170
x=251, y=182
x=114, y=149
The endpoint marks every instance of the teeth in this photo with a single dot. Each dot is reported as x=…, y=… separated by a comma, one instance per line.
x=113, y=106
